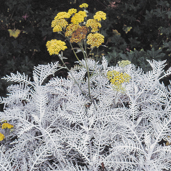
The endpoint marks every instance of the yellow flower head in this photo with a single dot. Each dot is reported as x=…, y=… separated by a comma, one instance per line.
x=62, y=15
x=95, y=40
x=7, y=125
x=83, y=13
x=78, y=17
x=124, y=63
x=100, y=15
x=84, y=5
x=59, y=24
x=79, y=34
x=57, y=28
x=72, y=11
x=117, y=78
x=70, y=29
x=1, y=136
x=94, y=24
x=55, y=46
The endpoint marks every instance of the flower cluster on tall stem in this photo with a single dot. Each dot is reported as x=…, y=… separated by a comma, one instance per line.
x=81, y=30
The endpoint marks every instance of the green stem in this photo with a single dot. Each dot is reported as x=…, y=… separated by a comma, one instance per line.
x=72, y=76
x=84, y=54
x=74, y=51
x=88, y=73
x=94, y=66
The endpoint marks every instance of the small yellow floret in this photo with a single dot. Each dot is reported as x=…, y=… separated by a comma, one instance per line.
x=7, y=125
x=1, y=136
x=100, y=15
x=84, y=5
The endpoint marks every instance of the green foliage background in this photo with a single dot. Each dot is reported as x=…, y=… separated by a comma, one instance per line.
x=149, y=37
x=144, y=27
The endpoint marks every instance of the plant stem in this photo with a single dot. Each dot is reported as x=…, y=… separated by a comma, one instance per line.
x=73, y=77
x=88, y=73
x=74, y=51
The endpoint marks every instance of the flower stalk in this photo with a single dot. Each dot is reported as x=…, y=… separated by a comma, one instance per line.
x=81, y=31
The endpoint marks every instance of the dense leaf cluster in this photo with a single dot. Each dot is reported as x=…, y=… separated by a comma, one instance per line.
x=57, y=126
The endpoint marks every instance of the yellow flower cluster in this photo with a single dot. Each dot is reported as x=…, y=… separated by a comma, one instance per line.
x=84, y=5
x=77, y=30
x=72, y=11
x=55, y=46
x=100, y=15
x=62, y=15
x=5, y=126
x=57, y=29
x=70, y=29
x=1, y=136
x=79, y=34
x=95, y=40
x=124, y=63
x=117, y=78
x=59, y=24
x=94, y=24
x=83, y=13
x=78, y=17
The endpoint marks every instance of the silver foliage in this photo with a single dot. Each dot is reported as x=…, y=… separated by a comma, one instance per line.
x=59, y=128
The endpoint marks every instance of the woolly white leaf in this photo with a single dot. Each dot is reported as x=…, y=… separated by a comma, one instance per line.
x=18, y=78
x=41, y=72
x=61, y=128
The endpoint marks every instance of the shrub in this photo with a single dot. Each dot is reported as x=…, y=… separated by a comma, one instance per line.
x=59, y=127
